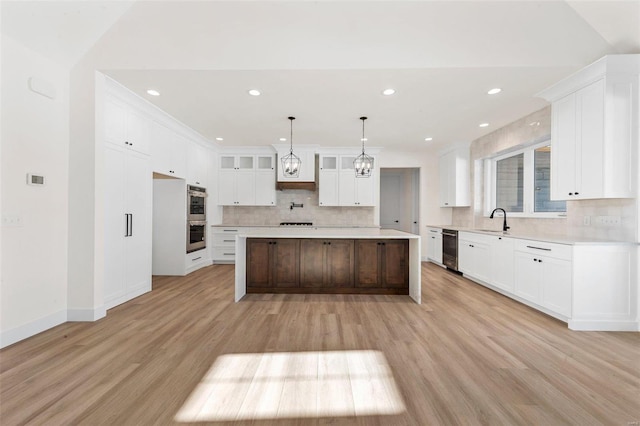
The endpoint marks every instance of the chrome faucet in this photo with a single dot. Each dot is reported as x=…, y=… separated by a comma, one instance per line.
x=504, y=214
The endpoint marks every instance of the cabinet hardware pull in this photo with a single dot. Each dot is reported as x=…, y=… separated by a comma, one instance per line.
x=229, y=254
x=228, y=241
x=230, y=230
x=470, y=245
x=576, y=193
x=199, y=257
x=499, y=238
x=539, y=260
x=539, y=248
x=535, y=260
x=131, y=224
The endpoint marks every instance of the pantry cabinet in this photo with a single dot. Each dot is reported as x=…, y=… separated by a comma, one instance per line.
x=127, y=225
x=454, y=178
x=594, y=130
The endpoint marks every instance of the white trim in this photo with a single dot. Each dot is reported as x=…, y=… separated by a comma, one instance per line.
x=199, y=265
x=86, y=315
x=24, y=331
x=596, y=325
x=135, y=292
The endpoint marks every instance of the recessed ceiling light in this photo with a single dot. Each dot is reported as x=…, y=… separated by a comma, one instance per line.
x=219, y=139
x=388, y=92
x=484, y=125
x=254, y=92
x=428, y=139
x=153, y=92
x=283, y=139
x=494, y=91
x=534, y=123
x=364, y=139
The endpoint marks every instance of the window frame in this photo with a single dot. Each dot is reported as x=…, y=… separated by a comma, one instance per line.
x=528, y=191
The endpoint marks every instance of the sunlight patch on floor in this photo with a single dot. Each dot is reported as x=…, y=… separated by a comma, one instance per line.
x=294, y=385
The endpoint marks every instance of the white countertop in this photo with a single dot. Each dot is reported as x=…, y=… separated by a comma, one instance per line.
x=296, y=227
x=549, y=238
x=317, y=232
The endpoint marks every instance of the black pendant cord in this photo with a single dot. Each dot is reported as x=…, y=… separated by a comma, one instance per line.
x=363, y=118
x=291, y=135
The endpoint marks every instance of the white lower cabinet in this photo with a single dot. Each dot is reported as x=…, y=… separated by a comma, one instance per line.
x=223, y=246
x=127, y=225
x=474, y=255
x=434, y=245
x=502, y=262
x=543, y=279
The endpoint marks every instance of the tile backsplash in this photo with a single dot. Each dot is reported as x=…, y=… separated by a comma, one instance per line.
x=311, y=212
x=537, y=127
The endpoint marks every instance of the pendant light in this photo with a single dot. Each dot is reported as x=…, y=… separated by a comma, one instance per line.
x=291, y=162
x=363, y=164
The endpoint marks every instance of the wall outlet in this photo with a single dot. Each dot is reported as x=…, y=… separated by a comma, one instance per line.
x=11, y=220
x=608, y=220
x=586, y=220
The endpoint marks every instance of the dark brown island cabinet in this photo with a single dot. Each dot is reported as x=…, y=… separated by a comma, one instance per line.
x=310, y=265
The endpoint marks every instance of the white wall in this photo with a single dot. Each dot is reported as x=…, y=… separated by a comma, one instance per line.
x=35, y=138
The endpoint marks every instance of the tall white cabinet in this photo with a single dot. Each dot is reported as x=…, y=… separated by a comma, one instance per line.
x=594, y=130
x=454, y=178
x=127, y=225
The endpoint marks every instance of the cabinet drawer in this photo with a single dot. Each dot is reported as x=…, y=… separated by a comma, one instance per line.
x=196, y=256
x=558, y=251
x=228, y=239
x=224, y=253
x=474, y=237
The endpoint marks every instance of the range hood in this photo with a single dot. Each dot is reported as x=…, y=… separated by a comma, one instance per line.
x=306, y=186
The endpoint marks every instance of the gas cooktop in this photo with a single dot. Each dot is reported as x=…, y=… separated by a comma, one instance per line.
x=296, y=223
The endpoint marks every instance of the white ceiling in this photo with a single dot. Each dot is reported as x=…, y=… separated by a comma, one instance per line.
x=327, y=62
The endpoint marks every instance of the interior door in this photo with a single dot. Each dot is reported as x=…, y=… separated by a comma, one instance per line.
x=391, y=201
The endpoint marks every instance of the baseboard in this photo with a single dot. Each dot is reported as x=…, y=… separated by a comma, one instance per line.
x=86, y=315
x=604, y=325
x=9, y=337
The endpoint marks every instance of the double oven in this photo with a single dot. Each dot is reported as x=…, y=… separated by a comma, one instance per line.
x=196, y=218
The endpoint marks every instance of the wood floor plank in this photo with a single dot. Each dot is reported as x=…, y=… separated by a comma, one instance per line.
x=466, y=355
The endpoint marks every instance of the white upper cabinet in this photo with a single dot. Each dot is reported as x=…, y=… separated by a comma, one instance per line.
x=198, y=165
x=454, y=178
x=594, y=130
x=354, y=191
x=328, y=177
x=125, y=126
x=168, y=151
x=246, y=180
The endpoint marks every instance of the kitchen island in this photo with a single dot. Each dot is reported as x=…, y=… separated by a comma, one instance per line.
x=328, y=260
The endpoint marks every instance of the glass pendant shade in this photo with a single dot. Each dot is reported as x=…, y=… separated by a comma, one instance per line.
x=363, y=164
x=291, y=162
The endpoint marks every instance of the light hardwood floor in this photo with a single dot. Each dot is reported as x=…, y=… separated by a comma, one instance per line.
x=467, y=355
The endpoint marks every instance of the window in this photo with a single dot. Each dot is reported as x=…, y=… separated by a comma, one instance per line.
x=520, y=183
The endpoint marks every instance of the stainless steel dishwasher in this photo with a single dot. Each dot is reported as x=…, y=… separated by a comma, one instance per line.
x=450, y=249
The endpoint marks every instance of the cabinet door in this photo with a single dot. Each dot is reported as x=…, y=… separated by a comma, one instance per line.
x=286, y=257
x=347, y=191
x=590, y=137
x=527, y=272
x=395, y=267
x=340, y=263
x=555, y=283
x=437, y=250
x=481, y=262
x=563, y=152
x=245, y=188
x=115, y=116
x=312, y=263
x=365, y=191
x=368, y=265
x=227, y=188
x=197, y=164
x=258, y=262
x=465, y=256
x=445, y=166
x=115, y=224
x=137, y=128
x=328, y=193
x=265, y=188
x=138, y=184
x=502, y=263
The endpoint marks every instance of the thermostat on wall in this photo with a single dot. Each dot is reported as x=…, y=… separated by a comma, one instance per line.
x=34, y=179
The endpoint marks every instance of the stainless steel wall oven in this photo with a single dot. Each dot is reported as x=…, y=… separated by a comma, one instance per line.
x=196, y=203
x=196, y=235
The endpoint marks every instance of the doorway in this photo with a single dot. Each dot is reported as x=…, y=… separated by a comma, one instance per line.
x=400, y=199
